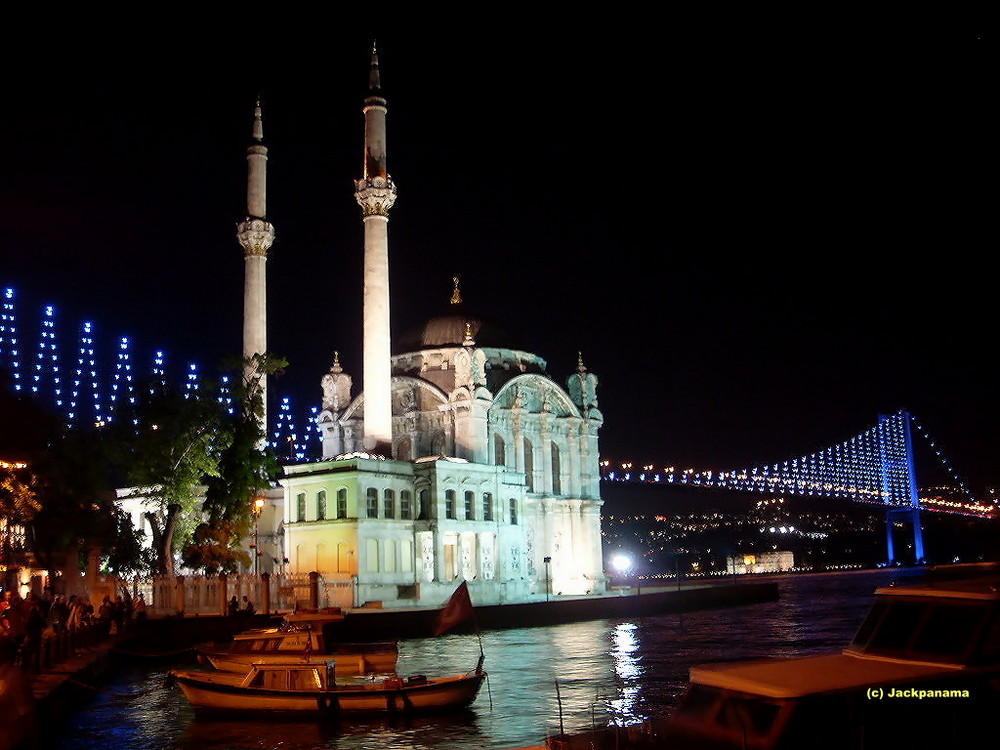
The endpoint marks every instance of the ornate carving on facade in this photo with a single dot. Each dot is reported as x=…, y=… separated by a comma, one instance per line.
x=255, y=235
x=336, y=386
x=375, y=196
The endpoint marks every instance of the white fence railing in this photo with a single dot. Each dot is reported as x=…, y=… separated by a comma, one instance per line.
x=171, y=596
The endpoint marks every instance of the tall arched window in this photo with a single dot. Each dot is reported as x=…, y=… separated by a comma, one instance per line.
x=405, y=505
x=321, y=505
x=499, y=451
x=449, y=503
x=512, y=511
x=372, y=502
x=529, y=466
x=342, y=502
x=389, y=504
x=556, y=479
x=300, y=506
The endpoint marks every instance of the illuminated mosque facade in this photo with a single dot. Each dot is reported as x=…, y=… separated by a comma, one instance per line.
x=461, y=460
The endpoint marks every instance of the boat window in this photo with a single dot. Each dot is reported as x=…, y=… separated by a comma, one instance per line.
x=869, y=624
x=303, y=679
x=989, y=652
x=898, y=626
x=258, y=645
x=274, y=679
x=746, y=717
x=949, y=631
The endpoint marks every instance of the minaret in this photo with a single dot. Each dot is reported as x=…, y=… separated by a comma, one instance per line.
x=256, y=234
x=375, y=193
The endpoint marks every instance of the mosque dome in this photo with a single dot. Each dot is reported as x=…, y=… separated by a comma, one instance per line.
x=451, y=329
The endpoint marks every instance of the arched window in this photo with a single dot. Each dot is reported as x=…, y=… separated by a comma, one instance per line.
x=404, y=451
x=405, y=505
x=342, y=502
x=512, y=511
x=470, y=500
x=372, y=502
x=487, y=506
x=300, y=506
x=424, y=506
x=321, y=505
x=556, y=479
x=499, y=451
x=389, y=504
x=529, y=466
x=449, y=503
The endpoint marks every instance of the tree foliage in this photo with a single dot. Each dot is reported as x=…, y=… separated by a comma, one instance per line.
x=246, y=468
x=164, y=453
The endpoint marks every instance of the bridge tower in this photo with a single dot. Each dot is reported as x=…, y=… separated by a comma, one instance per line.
x=895, y=465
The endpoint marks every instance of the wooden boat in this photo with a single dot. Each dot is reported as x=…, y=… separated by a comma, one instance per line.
x=312, y=689
x=305, y=636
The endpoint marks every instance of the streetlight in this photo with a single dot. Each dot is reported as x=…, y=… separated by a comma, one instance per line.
x=258, y=507
x=622, y=563
x=548, y=577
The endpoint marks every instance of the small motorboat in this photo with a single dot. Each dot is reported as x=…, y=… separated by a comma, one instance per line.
x=313, y=689
x=304, y=636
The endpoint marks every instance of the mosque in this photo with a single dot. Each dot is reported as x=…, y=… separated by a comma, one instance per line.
x=461, y=460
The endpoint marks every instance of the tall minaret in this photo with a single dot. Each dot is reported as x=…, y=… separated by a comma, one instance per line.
x=375, y=193
x=256, y=234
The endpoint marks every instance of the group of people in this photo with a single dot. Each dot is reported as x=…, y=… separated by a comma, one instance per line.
x=236, y=609
x=23, y=620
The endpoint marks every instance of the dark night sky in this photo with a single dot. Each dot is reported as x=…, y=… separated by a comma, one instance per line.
x=760, y=235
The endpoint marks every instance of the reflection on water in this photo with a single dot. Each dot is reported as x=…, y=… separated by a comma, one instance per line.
x=620, y=671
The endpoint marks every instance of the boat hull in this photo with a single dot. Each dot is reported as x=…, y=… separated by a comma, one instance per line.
x=223, y=692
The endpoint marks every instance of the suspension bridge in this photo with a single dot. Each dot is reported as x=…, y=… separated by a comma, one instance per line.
x=876, y=466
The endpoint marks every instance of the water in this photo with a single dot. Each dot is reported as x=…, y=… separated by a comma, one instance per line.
x=619, y=670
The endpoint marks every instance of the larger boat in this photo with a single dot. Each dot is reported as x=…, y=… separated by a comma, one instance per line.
x=922, y=671
x=313, y=689
x=303, y=636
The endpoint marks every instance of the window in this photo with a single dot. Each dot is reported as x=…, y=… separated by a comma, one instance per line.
x=556, y=479
x=499, y=451
x=470, y=499
x=449, y=503
x=321, y=505
x=389, y=504
x=300, y=506
x=372, y=497
x=342, y=503
x=487, y=506
x=423, y=503
x=405, y=505
x=529, y=466
x=513, y=511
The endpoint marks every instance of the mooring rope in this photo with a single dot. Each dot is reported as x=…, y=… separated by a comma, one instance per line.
x=117, y=696
x=152, y=656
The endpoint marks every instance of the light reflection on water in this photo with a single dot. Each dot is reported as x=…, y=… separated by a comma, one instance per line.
x=620, y=671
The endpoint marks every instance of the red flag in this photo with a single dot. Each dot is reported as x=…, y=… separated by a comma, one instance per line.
x=456, y=611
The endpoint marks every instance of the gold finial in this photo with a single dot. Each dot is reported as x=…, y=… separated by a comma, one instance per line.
x=336, y=363
x=456, y=295
x=469, y=341
x=579, y=363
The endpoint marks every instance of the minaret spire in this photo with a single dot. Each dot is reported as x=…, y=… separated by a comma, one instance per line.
x=375, y=193
x=256, y=235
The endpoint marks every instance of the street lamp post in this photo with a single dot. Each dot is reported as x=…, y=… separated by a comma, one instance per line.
x=258, y=506
x=548, y=577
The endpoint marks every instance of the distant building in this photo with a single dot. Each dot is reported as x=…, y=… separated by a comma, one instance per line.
x=762, y=562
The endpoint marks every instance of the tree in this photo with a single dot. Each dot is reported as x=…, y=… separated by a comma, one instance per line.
x=165, y=452
x=246, y=468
